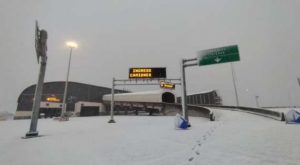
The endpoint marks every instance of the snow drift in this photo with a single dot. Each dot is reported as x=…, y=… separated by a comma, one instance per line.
x=293, y=116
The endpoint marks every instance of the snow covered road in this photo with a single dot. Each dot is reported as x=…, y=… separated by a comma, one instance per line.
x=248, y=139
x=235, y=138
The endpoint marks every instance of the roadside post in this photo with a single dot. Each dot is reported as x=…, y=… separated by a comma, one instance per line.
x=41, y=48
x=112, y=102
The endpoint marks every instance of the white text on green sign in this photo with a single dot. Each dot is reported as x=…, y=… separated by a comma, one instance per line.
x=218, y=55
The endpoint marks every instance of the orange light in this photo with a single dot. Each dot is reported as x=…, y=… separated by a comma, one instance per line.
x=167, y=85
x=53, y=99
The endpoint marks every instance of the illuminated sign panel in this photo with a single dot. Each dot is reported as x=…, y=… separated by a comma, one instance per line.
x=53, y=99
x=167, y=85
x=147, y=73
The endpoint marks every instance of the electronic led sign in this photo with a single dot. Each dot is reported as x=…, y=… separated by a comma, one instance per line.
x=147, y=73
x=167, y=85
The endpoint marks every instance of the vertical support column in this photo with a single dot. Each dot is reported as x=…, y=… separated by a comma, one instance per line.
x=41, y=41
x=37, y=100
x=64, y=105
x=234, y=84
x=183, y=92
x=112, y=102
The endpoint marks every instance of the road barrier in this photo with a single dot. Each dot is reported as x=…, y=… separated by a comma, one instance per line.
x=195, y=110
x=257, y=111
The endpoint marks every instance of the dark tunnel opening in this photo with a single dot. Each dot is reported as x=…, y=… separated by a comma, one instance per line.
x=168, y=97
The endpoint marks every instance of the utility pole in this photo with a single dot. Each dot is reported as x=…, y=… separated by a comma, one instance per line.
x=41, y=48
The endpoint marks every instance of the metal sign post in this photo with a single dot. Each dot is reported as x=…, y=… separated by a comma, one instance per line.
x=112, y=102
x=184, y=63
x=183, y=92
x=41, y=48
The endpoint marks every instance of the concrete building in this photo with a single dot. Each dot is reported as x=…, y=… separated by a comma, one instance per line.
x=82, y=100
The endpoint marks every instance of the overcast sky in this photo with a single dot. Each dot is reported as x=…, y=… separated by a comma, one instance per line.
x=114, y=35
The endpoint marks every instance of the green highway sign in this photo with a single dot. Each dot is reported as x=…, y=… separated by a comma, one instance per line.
x=218, y=55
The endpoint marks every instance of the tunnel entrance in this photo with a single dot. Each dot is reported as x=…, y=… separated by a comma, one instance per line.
x=168, y=97
x=89, y=111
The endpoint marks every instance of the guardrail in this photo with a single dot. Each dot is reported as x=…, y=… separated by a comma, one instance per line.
x=257, y=111
x=205, y=112
x=196, y=111
x=170, y=108
x=282, y=107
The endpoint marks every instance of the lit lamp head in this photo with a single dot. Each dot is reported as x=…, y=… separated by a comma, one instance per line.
x=72, y=44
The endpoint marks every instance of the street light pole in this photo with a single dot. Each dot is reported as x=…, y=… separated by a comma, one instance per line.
x=234, y=84
x=71, y=45
x=256, y=100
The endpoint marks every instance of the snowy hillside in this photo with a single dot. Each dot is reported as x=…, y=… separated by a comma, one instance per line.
x=235, y=138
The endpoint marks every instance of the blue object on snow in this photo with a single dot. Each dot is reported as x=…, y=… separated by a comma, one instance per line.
x=180, y=122
x=184, y=123
x=292, y=117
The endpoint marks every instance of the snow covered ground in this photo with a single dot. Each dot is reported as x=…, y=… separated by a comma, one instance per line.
x=235, y=138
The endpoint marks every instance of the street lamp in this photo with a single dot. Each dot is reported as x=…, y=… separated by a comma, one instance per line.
x=71, y=45
x=234, y=84
x=256, y=100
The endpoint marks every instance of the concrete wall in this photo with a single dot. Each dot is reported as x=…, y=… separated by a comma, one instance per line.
x=23, y=115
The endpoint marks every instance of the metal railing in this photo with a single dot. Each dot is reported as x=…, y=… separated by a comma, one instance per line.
x=257, y=111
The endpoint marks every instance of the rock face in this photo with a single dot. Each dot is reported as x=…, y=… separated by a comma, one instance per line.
x=6, y=116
